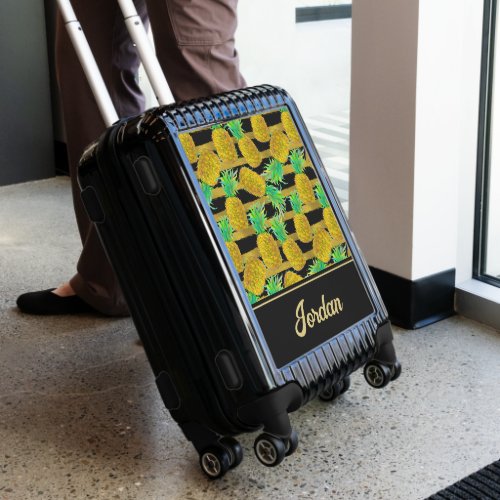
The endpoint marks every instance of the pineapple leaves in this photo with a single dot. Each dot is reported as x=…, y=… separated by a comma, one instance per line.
x=296, y=202
x=278, y=228
x=297, y=160
x=229, y=182
x=252, y=297
x=274, y=284
x=236, y=128
x=226, y=229
x=316, y=267
x=277, y=198
x=257, y=217
x=208, y=192
x=321, y=195
x=339, y=253
x=274, y=172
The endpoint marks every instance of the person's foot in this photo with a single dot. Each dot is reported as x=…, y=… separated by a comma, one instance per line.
x=60, y=300
x=64, y=290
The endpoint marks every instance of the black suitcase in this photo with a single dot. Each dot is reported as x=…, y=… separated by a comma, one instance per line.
x=236, y=340
x=242, y=277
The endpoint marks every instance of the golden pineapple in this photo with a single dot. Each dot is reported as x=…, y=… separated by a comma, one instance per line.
x=289, y=126
x=246, y=146
x=330, y=220
x=254, y=277
x=208, y=169
x=322, y=245
x=252, y=182
x=189, y=147
x=333, y=226
x=224, y=144
x=236, y=213
x=294, y=254
x=234, y=206
x=300, y=221
x=260, y=129
x=234, y=251
x=290, y=248
x=267, y=245
x=302, y=182
x=291, y=278
x=279, y=146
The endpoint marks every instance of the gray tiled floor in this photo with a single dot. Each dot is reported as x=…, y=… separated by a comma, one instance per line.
x=80, y=416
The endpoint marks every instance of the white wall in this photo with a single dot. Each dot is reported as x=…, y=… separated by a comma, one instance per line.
x=415, y=89
x=437, y=136
x=382, y=151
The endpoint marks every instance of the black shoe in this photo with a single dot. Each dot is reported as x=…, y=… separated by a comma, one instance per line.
x=48, y=303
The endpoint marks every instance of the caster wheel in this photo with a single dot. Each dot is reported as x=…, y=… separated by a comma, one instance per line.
x=292, y=443
x=269, y=450
x=376, y=374
x=346, y=385
x=215, y=461
x=397, y=370
x=235, y=450
x=330, y=394
x=335, y=390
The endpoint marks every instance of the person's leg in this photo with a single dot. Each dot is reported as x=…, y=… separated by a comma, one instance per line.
x=102, y=23
x=195, y=45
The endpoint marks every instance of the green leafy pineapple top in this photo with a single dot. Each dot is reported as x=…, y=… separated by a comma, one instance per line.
x=278, y=228
x=236, y=129
x=229, y=182
x=208, y=193
x=321, y=195
x=296, y=202
x=274, y=284
x=277, y=198
x=257, y=217
x=297, y=160
x=226, y=229
x=316, y=267
x=274, y=172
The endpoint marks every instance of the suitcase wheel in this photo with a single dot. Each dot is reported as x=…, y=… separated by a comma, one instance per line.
x=292, y=443
x=335, y=390
x=377, y=374
x=235, y=450
x=271, y=450
x=396, y=370
x=215, y=461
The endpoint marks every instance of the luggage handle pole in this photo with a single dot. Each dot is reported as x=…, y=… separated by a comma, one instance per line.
x=147, y=55
x=88, y=63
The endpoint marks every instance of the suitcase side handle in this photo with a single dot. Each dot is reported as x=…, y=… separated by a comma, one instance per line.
x=88, y=63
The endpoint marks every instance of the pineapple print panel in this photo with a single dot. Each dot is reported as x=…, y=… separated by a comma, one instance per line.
x=268, y=202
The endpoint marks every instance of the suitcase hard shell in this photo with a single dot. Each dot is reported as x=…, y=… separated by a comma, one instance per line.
x=243, y=279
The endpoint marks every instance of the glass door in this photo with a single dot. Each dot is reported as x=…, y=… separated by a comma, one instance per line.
x=304, y=46
x=487, y=227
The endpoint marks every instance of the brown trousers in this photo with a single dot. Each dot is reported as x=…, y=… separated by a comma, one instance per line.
x=194, y=42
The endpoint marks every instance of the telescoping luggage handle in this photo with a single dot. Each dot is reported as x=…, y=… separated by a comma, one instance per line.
x=146, y=54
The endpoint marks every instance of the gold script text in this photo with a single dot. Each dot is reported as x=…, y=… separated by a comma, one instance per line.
x=310, y=319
